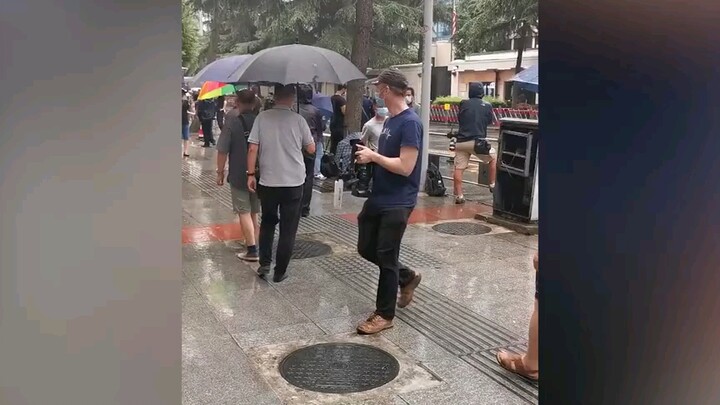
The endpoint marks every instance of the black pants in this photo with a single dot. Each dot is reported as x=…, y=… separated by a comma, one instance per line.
x=308, y=186
x=285, y=201
x=207, y=127
x=336, y=135
x=379, y=237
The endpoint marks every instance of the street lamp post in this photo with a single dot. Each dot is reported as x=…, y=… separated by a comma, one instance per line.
x=426, y=83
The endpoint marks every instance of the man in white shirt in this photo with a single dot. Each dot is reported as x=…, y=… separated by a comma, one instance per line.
x=277, y=140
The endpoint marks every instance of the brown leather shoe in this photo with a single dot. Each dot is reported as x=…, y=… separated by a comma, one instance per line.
x=374, y=324
x=407, y=292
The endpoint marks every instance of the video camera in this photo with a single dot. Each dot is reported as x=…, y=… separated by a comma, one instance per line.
x=360, y=184
x=452, y=136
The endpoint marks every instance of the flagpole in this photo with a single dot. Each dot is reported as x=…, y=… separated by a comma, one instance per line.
x=454, y=31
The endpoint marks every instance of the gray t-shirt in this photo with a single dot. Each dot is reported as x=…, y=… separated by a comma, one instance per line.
x=233, y=142
x=281, y=135
x=371, y=133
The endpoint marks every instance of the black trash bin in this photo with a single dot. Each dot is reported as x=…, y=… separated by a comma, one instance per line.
x=516, y=185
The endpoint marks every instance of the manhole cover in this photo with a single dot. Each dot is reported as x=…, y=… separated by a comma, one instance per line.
x=339, y=368
x=462, y=228
x=307, y=249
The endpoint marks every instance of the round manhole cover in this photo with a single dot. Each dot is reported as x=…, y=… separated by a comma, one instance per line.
x=339, y=368
x=462, y=228
x=306, y=249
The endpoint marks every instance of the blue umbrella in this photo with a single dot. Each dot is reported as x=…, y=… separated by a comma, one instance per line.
x=219, y=70
x=323, y=103
x=528, y=79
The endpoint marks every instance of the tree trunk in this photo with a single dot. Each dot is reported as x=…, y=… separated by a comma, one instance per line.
x=518, y=69
x=360, y=57
x=214, y=34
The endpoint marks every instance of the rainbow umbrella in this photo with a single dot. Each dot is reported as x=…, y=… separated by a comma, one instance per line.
x=216, y=89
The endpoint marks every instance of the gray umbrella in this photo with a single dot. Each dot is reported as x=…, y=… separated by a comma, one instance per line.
x=219, y=70
x=290, y=64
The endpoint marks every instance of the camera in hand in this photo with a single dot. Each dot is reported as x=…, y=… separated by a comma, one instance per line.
x=452, y=136
x=363, y=174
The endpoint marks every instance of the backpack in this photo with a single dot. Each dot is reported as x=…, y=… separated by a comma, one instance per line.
x=246, y=133
x=207, y=110
x=328, y=166
x=434, y=184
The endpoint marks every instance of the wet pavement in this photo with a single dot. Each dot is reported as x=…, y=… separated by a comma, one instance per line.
x=476, y=297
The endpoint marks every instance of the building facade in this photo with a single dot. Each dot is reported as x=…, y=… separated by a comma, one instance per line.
x=493, y=69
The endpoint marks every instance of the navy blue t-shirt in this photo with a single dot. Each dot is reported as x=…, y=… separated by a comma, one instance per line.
x=392, y=190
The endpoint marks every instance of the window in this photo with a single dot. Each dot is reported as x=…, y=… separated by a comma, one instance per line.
x=489, y=88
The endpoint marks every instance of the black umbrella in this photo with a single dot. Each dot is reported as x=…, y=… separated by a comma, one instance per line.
x=219, y=70
x=291, y=64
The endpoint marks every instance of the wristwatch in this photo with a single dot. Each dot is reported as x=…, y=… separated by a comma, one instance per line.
x=250, y=174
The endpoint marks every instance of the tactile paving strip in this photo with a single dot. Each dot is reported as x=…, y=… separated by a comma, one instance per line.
x=339, y=368
x=324, y=186
x=205, y=180
x=471, y=337
x=334, y=226
x=346, y=232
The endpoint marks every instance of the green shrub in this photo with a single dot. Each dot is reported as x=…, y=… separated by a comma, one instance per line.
x=447, y=100
x=496, y=102
x=453, y=100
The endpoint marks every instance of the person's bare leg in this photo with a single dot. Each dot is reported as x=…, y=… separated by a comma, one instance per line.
x=457, y=182
x=248, y=229
x=242, y=229
x=530, y=359
x=256, y=226
x=492, y=172
x=526, y=364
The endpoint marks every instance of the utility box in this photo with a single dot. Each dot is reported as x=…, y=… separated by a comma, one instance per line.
x=516, y=186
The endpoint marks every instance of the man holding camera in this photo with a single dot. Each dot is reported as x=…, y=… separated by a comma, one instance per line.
x=384, y=217
x=474, y=117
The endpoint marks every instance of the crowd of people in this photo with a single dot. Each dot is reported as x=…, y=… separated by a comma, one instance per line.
x=273, y=156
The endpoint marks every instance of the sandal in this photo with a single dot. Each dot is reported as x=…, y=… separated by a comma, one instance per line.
x=513, y=363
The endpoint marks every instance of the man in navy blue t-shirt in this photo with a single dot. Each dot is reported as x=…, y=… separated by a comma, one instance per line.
x=384, y=217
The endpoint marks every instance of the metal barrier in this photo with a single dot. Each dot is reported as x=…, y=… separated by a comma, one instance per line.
x=438, y=113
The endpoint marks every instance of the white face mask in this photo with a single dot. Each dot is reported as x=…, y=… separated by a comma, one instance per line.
x=408, y=99
x=382, y=112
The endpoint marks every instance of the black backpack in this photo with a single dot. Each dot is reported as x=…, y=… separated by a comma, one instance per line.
x=434, y=184
x=328, y=166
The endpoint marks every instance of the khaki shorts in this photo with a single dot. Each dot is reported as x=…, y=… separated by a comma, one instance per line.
x=463, y=151
x=244, y=201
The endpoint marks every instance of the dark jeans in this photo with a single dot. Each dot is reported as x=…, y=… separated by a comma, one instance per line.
x=379, y=237
x=336, y=135
x=207, y=127
x=286, y=201
x=308, y=186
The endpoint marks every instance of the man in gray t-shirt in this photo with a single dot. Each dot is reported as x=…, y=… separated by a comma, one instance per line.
x=233, y=145
x=277, y=141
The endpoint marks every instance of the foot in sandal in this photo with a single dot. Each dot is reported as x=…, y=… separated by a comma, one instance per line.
x=513, y=363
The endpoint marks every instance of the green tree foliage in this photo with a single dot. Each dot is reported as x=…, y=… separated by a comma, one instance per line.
x=486, y=25
x=190, y=35
x=247, y=26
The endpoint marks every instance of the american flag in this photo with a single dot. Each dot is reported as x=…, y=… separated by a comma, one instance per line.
x=454, y=20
